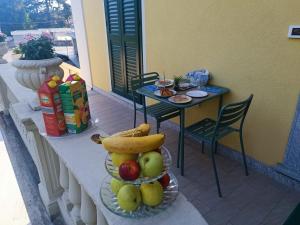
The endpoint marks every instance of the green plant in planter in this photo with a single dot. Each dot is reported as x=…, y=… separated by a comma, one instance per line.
x=2, y=37
x=37, y=48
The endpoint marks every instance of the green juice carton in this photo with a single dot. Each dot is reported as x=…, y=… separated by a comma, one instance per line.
x=73, y=103
x=75, y=77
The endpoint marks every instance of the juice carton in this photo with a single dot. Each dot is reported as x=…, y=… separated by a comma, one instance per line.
x=73, y=104
x=75, y=77
x=51, y=107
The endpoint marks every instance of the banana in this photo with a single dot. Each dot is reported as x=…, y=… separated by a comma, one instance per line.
x=141, y=130
x=133, y=145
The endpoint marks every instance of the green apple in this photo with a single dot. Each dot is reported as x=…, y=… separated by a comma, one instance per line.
x=152, y=193
x=118, y=158
x=115, y=185
x=129, y=197
x=151, y=164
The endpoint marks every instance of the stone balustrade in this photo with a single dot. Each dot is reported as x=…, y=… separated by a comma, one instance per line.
x=71, y=168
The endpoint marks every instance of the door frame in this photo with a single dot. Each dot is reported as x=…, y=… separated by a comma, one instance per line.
x=141, y=21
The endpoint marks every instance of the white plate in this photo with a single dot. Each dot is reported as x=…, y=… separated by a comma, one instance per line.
x=180, y=99
x=157, y=93
x=169, y=83
x=197, y=94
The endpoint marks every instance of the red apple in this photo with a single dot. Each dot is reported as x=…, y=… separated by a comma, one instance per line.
x=129, y=170
x=164, y=181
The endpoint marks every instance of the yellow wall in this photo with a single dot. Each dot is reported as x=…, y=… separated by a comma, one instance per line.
x=244, y=45
x=97, y=42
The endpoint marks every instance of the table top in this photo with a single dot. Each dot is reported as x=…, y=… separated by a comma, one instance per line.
x=212, y=90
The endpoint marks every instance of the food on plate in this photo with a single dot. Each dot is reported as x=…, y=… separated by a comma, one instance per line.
x=152, y=193
x=164, y=82
x=164, y=181
x=129, y=197
x=141, y=130
x=133, y=144
x=129, y=170
x=180, y=98
x=116, y=185
x=165, y=92
x=118, y=158
x=151, y=164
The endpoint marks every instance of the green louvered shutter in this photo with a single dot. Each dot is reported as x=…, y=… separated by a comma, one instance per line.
x=124, y=39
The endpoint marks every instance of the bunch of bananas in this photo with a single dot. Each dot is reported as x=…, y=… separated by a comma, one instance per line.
x=134, y=141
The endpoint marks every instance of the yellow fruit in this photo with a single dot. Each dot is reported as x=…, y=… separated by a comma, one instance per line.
x=52, y=84
x=55, y=78
x=76, y=77
x=118, y=158
x=133, y=145
x=141, y=130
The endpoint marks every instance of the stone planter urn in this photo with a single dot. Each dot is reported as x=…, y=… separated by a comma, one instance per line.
x=3, y=51
x=32, y=73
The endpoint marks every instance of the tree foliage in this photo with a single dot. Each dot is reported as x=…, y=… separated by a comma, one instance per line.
x=33, y=14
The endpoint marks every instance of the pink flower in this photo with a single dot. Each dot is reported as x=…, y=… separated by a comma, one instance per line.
x=29, y=37
x=47, y=35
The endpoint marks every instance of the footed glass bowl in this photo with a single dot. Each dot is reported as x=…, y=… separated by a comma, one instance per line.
x=114, y=171
x=109, y=200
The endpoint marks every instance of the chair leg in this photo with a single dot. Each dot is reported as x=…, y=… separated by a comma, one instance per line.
x=202, y=147
x=178, y=151
x=157, y=126
x=216, y=148
x=213, y=147
x=243, y=154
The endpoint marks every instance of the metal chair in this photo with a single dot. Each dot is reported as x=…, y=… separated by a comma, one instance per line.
x=160, y=111
x=208, y=130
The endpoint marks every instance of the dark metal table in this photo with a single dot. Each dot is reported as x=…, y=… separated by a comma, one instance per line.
x=213, y=92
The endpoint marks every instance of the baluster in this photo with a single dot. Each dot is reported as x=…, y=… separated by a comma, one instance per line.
x=88, y=209
x=64, y=182
x=75, y=198
x=100, y=218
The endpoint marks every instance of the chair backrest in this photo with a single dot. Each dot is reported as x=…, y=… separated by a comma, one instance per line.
x=143, y=80
x=233, y=113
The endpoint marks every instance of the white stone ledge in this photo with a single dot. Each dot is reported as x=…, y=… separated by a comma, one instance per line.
x=85, y=160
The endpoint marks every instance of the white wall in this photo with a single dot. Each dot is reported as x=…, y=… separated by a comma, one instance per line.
x=80, y=32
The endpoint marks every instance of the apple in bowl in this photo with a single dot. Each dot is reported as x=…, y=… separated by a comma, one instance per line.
x=118, y=158
x=116, y=185
x=151, y=164
x=129, y=170
x=129, y=197
x=152, y=193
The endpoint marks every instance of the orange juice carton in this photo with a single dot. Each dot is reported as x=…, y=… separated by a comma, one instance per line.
x=74, y=107
x=75, y=77
x=51, y=107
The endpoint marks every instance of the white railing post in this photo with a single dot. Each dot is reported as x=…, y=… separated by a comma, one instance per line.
x=3, y=96
x=88, y=209
x=64, y=182
x=100, y=218
x=75, y=198
x=47, y=164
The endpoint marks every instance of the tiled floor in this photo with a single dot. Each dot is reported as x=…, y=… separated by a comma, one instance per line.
x=253, y=200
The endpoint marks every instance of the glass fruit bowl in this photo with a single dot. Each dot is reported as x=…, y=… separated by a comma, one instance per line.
x=114, y=171
x=110, y=201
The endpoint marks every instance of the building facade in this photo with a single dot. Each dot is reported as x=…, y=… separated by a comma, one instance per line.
x=244, y=45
